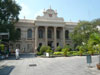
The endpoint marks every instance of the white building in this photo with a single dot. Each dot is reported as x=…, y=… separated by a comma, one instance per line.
x=48, y=29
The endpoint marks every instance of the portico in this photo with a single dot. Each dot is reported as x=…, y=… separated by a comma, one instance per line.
x=49, y=36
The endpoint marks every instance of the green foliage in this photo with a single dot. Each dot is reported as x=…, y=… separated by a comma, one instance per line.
x=89, y=52
x=67, y=46
x=9, y=12
x=2, y=47
x=44, y=49
x=75, y=53
x=58, y=48
x=82, y=32
x=82, y=49
x=39, y=53
x=49, y=51
x=96, y=22
x=94, y=43
x=65, y=49
x=58, y=53
x=94, y=39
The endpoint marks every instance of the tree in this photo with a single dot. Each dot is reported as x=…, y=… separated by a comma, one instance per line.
x=9, y=11
x=96, y=22
x=82, y=32
x=94, y=40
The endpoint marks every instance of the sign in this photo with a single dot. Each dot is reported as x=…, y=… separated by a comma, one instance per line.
x=4, y=36
x=89, y=60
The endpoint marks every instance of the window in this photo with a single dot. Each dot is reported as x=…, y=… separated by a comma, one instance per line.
x=40, y=33
x=67, y=34
x=29, y=34
x=40, y=44
x=57, y=44
x=19, y=33
x=58, y=34
x=49, y=33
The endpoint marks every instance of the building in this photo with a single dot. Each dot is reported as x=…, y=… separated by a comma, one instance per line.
x=48, y=29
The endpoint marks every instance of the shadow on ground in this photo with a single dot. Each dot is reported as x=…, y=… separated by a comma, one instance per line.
x=22, y=56
x=6, y=70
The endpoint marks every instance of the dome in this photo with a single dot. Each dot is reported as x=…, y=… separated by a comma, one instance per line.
x=51, y=11
x=50, y=15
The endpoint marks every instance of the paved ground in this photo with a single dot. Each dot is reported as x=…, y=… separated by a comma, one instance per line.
x=30, y=65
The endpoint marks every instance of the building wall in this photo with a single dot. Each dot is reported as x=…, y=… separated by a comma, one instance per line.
x=45, y=21
x=29, y=45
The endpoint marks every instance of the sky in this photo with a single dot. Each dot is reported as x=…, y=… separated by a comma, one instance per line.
x=70, y=10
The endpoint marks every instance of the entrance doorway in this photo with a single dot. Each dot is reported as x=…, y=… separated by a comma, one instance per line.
x=50, y=43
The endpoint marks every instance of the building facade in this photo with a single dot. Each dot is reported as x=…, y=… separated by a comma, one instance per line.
x=49, y=30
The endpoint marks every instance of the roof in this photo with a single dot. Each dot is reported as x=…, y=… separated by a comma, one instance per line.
x=26, y=21
x=71, y=23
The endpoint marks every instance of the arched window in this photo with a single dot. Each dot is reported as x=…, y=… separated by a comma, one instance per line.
x=29, y=34
x=18, y=33
x=49, y=33
x=40, y=33
x=67, y=34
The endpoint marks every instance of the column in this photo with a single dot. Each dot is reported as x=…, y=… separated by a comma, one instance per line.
x=55, y=38
x=36, y=38
x=46, y=36
x=64, y=37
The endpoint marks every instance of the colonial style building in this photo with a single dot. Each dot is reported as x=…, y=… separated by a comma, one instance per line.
x=49, y=30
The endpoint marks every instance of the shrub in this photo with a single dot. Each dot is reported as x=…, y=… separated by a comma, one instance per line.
x=44, y=49
x=69, y=53
x=49, y=51
x=89, y=52
x=65, y=50
x=58, y=53
x=75, y=53
x=82, y=49
x=58, y=48
x=39, y=53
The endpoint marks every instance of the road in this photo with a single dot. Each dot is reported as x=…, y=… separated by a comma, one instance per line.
x=31, y=65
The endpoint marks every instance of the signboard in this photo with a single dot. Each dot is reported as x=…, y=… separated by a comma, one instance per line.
x=4, y=36
x=89, y=60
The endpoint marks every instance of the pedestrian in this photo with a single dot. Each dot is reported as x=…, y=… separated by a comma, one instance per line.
x=17, y=53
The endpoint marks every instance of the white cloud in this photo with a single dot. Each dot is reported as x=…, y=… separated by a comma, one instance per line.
x=25, y=11
x=39, y=13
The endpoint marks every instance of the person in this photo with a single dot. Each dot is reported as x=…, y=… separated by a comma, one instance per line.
x=17, y=53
